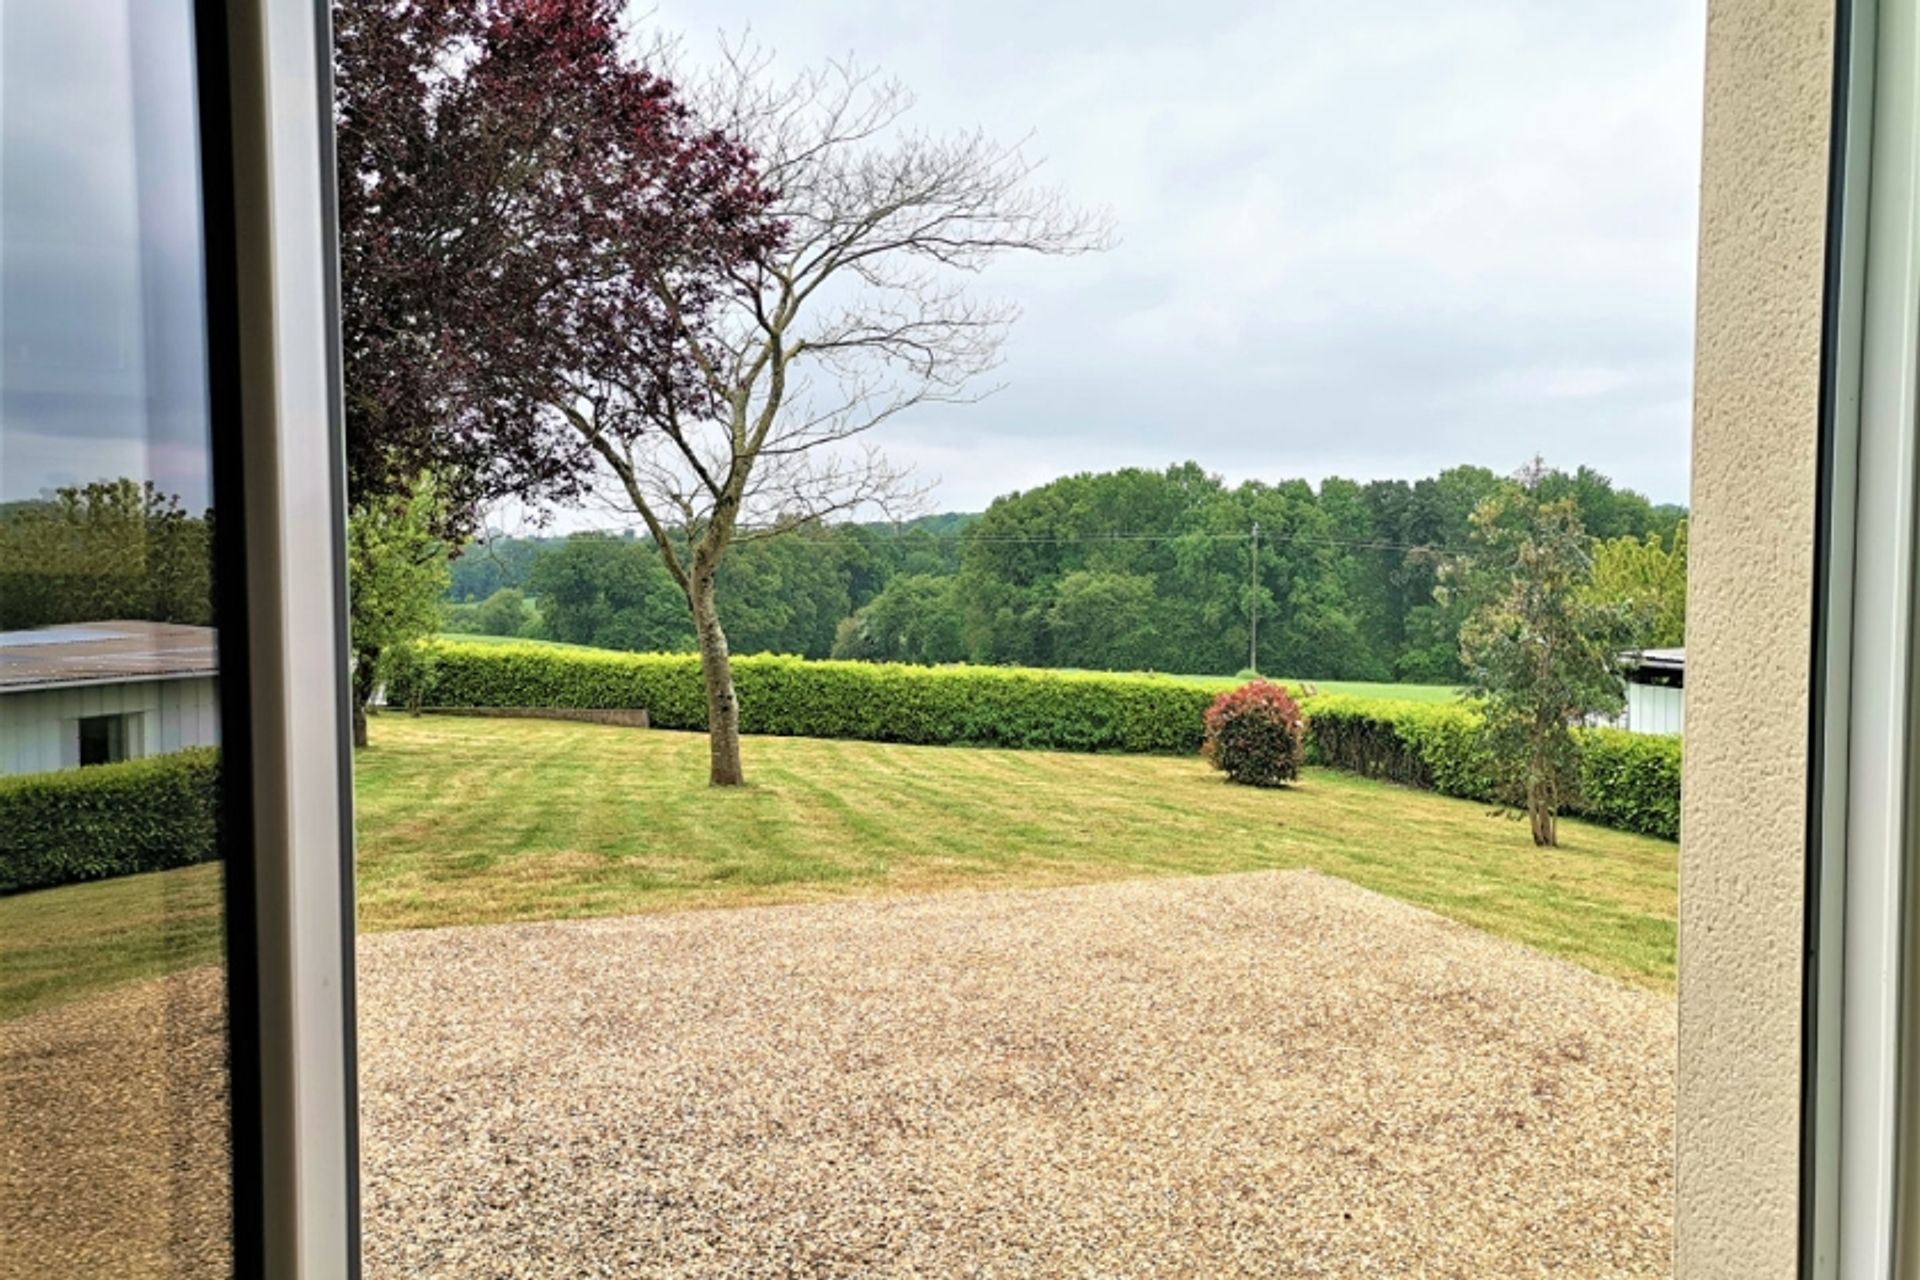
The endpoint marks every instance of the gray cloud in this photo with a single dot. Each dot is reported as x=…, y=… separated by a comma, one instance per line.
x=1369, y=239
x=102, y=322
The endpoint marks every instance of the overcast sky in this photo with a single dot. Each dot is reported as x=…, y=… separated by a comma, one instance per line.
x=1369, y=239
x=102, y=317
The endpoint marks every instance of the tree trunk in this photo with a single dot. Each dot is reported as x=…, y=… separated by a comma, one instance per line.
x=1542, y=818
x=364, y=665
x=716, y=668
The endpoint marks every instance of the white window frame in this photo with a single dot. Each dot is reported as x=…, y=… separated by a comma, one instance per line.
x=292, y=507
x=1858, y=1199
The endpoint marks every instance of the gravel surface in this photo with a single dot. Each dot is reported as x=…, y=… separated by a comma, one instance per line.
x=113, y=1136
x=1270, y=1075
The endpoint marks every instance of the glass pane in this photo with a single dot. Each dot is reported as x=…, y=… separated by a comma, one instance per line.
x=114, y=1134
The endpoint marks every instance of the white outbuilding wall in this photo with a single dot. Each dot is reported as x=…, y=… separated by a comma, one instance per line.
x=39, y=729
x=1653, y=708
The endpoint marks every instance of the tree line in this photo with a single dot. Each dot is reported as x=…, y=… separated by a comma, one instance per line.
x=113, y=549
x=1126, y=570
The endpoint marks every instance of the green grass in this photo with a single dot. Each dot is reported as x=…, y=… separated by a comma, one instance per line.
x=460, y=637
x=85, y=937
x=472, y=821
x=478, y=821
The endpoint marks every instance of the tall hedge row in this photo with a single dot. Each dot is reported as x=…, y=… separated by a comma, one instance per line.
x=797, y=697
x=1629, y=781
x=109, y=820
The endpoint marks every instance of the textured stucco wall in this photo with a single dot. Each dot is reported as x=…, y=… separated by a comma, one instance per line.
x=1763, y=198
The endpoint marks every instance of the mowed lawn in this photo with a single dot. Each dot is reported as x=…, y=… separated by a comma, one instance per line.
x=470, y=821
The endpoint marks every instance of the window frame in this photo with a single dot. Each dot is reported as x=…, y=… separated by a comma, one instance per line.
x=1857, y=1138
x=273, y=341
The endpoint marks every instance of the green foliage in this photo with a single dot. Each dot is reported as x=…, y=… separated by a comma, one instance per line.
x=1105, y=621
x=1625, y=780
x=1646, y=578
x=111, y=549
x=396, y=570
x=1255, y=735
x=396, y=576
x=1539, y=649
x=410, y=670
x=1631, y=781
x=109, y=820
x=611, y=593
x=1134, y=569
x=504, y=613
x=794, y=697
x=915, y=618
x=492, y=564
x=1442, y=747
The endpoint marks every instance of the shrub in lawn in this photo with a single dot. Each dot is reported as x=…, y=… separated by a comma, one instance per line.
x=109, y=820
x=1255, y=735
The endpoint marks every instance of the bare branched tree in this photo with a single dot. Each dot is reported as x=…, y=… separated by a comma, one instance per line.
x=753, y=417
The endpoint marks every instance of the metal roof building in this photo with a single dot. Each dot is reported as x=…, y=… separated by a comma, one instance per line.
x=98, y=692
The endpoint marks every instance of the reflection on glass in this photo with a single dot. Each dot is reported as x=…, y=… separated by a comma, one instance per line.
x=114, y=1149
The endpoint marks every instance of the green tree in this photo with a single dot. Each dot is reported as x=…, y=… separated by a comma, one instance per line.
x=1538, y=648
x=610, y=592
x=504, y=613
x=915, y=619
x=1104, y=621
x=397, y=573
x=1647, y=578
x=110, y=549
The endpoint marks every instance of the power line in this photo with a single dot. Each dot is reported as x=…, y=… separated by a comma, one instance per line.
x=1358, y=544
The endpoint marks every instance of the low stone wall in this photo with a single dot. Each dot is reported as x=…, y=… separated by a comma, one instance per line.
x=631, y=718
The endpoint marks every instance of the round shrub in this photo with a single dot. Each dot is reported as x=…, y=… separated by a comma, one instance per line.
x=1255, y=735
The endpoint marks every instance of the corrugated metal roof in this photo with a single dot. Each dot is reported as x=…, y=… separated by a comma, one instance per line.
x=104, y=653
x=1658, y=659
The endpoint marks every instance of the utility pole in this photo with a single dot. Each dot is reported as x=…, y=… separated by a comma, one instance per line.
x=1253, y=602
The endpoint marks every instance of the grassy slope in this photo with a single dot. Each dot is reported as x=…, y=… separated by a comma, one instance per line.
x=87, y=936
x=1358, y=688
x=480, y=821
x=475, y=821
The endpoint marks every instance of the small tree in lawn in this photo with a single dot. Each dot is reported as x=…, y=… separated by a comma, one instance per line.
x=397, y=576
x=1539, y=648
x=856, y=313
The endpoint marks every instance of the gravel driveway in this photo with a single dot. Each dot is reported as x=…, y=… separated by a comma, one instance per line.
x=1266, y=1075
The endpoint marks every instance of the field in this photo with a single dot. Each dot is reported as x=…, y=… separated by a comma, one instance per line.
x=467, y=821
x=1357, y=688
x=482, y=821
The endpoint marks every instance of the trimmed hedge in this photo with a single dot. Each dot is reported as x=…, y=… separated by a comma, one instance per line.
x=1629, y=781
x=798, y=697
x=109, y=820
